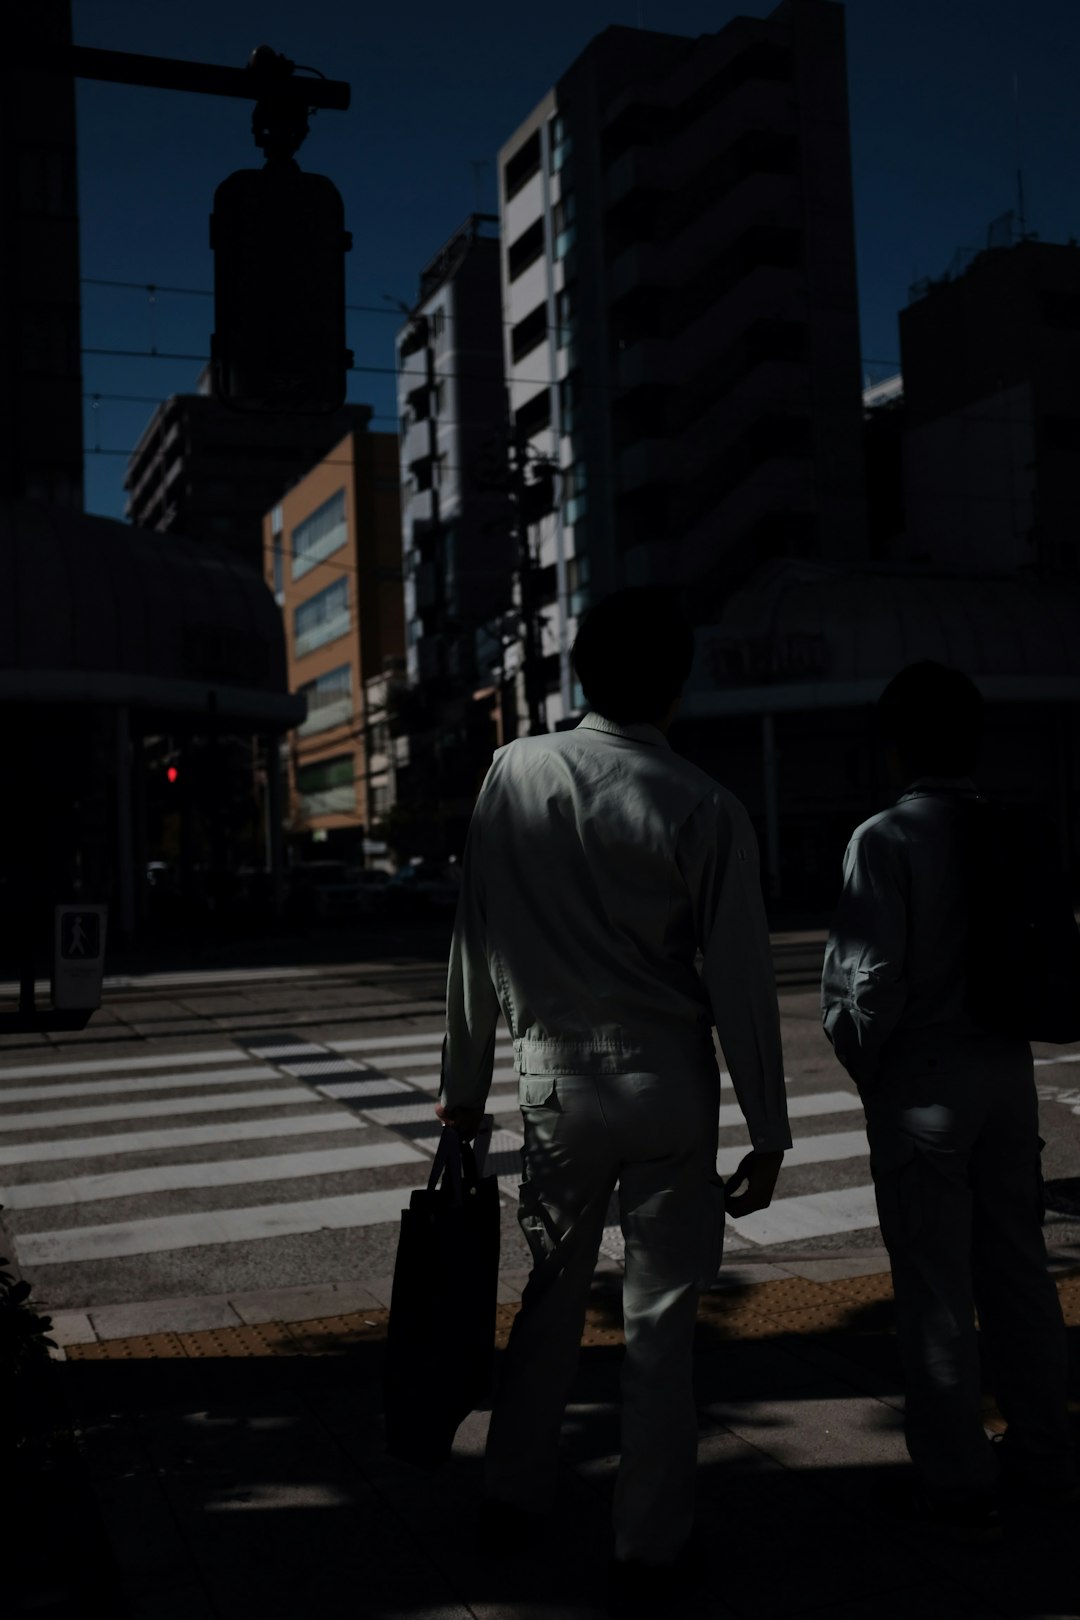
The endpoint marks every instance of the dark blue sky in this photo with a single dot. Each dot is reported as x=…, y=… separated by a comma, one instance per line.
x=933, y=138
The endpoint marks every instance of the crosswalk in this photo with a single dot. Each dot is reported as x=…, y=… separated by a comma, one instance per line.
x=387, y=1068
x=107, y=1159
x=280, y=1136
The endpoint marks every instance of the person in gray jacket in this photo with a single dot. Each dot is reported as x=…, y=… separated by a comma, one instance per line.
x=597, y=862
x=952, y=1120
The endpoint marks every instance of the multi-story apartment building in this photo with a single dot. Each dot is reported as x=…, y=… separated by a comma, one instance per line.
x=332, y=556
x=991, y=428
x=457, y=530
x=208, y=473
x=679, y=300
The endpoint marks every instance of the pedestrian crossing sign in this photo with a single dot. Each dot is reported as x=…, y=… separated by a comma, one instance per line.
x=78, y=956
x=80, y=936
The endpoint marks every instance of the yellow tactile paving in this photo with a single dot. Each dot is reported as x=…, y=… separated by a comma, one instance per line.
x=141, y=1347
x=331, y=1335
x=267, y=1339
x=755, y=1311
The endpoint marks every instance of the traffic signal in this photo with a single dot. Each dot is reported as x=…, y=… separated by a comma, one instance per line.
x=171, y=773
x=279, y=242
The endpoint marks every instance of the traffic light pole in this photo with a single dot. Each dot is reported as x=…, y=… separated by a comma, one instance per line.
x=266, y=69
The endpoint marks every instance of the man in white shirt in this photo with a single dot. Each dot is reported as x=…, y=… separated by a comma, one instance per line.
x=597, y=862
x=952, y=1119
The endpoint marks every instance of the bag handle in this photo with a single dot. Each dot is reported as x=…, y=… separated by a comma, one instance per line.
x=455, y=1158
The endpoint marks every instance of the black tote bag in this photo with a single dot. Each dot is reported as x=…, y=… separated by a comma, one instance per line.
x=441, y=1334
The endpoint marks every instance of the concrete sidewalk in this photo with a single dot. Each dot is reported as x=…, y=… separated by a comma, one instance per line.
x=239, y=1468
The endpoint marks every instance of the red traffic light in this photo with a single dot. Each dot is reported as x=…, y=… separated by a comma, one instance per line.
x=172, y=773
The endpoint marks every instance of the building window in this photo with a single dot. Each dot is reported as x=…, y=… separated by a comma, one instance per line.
x=577, y=584
x=520, y=168
x=566, y=314
x=529, y=333
x=327, y=788
x=418, y=403
x=279, y=569
x=637, y=317
x=570, y=402
x=564, y=216
x=535, y=414
x=438, y=323
x=762, y=59
x=321, y=618
x=329, y=700
x=561, y=145
x=414, y=337
x=573, y=489
x=526, y=250
x=319, y=535
x=637, y=124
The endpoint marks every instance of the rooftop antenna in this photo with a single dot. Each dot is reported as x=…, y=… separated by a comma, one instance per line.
x=1020, y=215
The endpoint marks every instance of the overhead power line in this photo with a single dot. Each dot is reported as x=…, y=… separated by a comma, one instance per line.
x=597, y=480
x=152, y=288
x=391, y=371
x=155, y=399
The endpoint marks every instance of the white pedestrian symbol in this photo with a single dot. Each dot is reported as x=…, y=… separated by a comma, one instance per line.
x=77, y=943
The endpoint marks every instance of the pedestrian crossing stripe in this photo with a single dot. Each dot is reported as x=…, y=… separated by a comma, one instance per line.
x=207, y=1173
x=159, y=1234
x=182, y=1136
x=128, y=1084
x=52, y=1118
x=45, y=1071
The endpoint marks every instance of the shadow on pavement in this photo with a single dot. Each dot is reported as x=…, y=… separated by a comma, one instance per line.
x=258, y=1487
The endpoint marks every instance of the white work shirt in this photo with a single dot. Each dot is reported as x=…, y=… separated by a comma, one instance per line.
x=598, y=860
x=894, y=976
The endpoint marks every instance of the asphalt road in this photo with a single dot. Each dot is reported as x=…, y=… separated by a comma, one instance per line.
x=231, y=1129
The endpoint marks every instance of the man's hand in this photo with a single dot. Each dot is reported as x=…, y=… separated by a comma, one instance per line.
x=759, y=1171
x=466, y=1121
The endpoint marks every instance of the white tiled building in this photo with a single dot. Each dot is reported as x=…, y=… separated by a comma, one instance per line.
x=680, y=314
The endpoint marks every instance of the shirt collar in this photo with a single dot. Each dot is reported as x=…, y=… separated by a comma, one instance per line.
x=939, y=784
x=639, y=732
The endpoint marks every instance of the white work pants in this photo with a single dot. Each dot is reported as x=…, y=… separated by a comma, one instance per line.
x=654, y=1136
x=954, y=1152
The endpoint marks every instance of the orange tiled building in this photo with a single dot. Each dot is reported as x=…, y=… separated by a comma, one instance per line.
x=332, y=556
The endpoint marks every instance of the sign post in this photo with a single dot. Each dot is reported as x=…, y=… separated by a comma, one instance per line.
x=78, y=957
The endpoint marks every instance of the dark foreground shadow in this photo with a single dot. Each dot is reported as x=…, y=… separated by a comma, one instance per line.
x=259, y=1488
